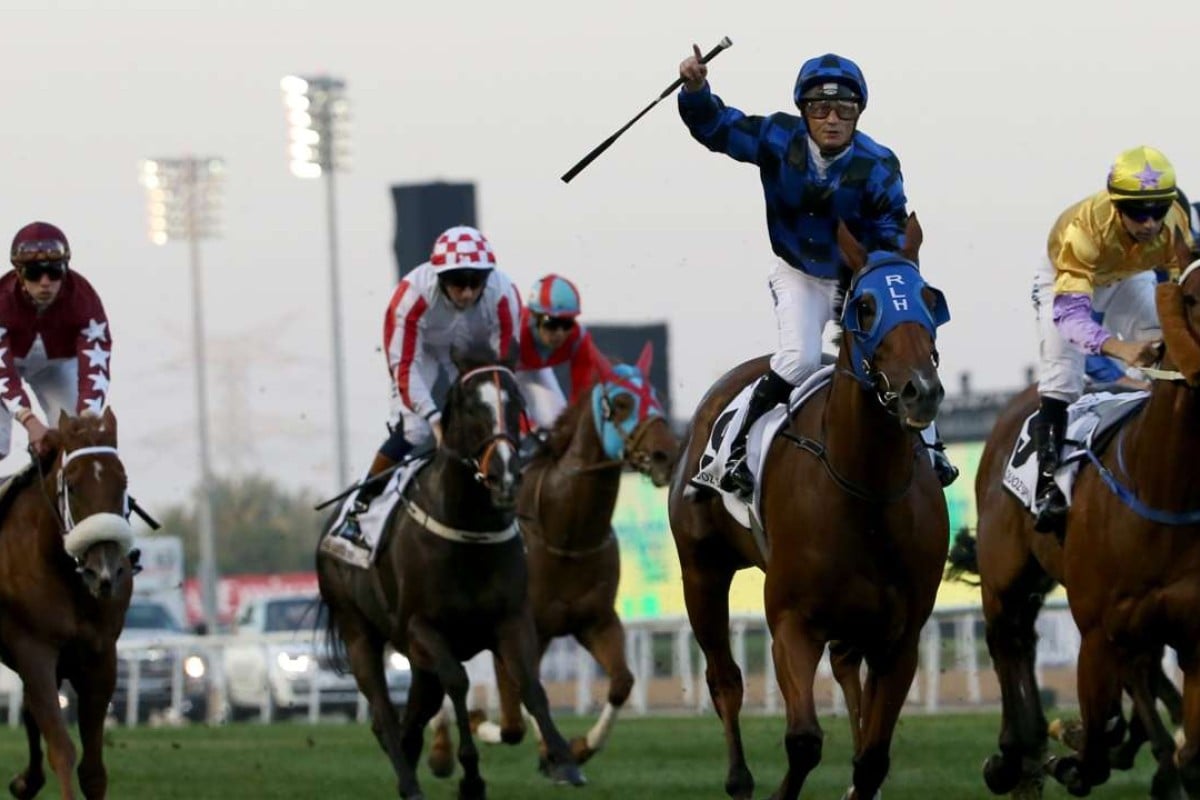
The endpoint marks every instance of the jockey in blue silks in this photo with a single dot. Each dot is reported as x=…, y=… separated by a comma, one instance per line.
x=816, y=169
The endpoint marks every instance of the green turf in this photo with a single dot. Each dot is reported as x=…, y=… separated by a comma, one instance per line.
x=647, y=758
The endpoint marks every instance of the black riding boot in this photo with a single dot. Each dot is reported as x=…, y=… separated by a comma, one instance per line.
x=770, y=391
x=946, y=472
x=1048, y=431
x=350, y=529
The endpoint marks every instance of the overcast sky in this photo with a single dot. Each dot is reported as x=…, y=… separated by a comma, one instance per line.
x=1001, y=117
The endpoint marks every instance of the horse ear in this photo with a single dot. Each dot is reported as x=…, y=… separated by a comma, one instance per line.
x=853, y=253
x=646, y=359
x=109, y=421
x=604, y=368
x=913, y=236
x=52, y=443
x=63, y=419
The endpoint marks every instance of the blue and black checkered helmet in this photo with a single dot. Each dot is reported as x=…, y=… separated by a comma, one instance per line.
x=832, y=69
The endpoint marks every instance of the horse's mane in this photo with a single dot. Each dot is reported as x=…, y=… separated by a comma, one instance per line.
x=564, y=429
x=26, y=477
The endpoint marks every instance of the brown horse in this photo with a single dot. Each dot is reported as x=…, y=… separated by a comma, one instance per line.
x=1130, y=562
x=450, y=580
x=565, y=506
x=854, y=518
x=63, y=600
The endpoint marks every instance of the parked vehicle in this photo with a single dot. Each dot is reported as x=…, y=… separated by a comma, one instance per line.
x=154, y=644
x=282, y=663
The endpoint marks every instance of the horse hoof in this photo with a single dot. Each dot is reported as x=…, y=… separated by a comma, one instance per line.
x=1000, y=774
x=567, y=775
x=25, y=787
x=580, y=750
x=441, y=762
x=1068, y=772
x=472, y=789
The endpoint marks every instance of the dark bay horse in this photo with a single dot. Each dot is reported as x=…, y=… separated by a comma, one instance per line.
x=450, y=580
x=1130, y=562
x=855, y=521
x=65, y=583
x=566, y=503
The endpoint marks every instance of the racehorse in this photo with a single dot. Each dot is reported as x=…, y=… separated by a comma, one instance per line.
x=566, y=503
x=854, y=520
x=1130, y=562
x=449, y=581
x=65, y=583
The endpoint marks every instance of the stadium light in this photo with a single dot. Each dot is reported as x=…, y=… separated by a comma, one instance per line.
x=318, y=117
x=183, y=204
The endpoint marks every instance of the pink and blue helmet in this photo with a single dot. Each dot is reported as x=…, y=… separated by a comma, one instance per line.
x=554, y=296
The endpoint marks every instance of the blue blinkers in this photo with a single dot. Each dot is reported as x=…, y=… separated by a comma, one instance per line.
x=624, y=380
x=897, y=288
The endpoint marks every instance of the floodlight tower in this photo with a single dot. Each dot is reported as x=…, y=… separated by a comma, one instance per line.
x=183, y=201
x=318, y=147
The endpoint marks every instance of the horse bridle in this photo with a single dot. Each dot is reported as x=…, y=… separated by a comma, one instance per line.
x=479, y=461
x=62, y=508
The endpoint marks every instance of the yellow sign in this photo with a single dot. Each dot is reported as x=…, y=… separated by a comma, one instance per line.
x=651, y=584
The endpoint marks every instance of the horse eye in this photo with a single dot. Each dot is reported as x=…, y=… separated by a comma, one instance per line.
x=866, y=312
x=1189, y=301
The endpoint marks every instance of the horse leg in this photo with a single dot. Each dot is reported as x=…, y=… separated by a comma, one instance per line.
x=512, y=722
x=1188, y=756
x=33, y=778
x=426, y=707
x=37, y=664
x=94, y=684
x=365, y=651
x=1098, y=681
x=846, y=662
x=606, y=642
x=706, y=595
x=797, y=654
x=517, y=642
x=889, y=678
x=431, y=652
x=1145, y=725
x=1012, y=643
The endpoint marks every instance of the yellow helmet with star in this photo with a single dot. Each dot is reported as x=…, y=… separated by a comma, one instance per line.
x=1139, y=174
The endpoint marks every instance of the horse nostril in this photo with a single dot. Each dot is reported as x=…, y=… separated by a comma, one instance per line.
x=910, y=393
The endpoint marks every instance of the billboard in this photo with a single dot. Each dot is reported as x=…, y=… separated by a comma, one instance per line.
x=651, y=583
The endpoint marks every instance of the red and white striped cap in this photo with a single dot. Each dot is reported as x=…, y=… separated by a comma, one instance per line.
x=462, y=247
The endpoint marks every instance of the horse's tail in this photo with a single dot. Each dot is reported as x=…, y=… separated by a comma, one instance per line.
x=963, y=558
x=334, y=646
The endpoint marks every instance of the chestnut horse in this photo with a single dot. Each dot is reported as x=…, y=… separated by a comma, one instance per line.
x=65, y=582
x=449, y=581
x=1130, y=562
x=854, y=518
x=565, y=506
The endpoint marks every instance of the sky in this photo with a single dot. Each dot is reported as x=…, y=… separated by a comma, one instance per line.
x=1002, y=114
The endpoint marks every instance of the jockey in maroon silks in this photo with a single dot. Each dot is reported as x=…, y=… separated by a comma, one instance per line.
x=54, y=335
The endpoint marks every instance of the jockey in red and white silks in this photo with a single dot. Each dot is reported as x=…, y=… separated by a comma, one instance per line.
x=421, y=327
x=54, y=335
x=456, y=301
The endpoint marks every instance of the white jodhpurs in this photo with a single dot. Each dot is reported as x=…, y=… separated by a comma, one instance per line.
x=803, y=307
x=544, y=399
x=1129, y=313
x=55, y=384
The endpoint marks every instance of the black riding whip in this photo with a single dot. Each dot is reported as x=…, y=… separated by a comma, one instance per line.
x=607, y=143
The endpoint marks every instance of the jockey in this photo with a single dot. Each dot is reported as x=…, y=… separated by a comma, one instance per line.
x=816, y=169
x=1103, y=251
x=455, y=301
x=53, y=334
x=551, y=335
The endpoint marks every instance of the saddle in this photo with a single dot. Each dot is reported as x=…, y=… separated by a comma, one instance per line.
x=373, y=522
x=1093, y=421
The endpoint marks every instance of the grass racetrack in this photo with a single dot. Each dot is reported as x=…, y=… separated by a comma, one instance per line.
x=659, y=757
